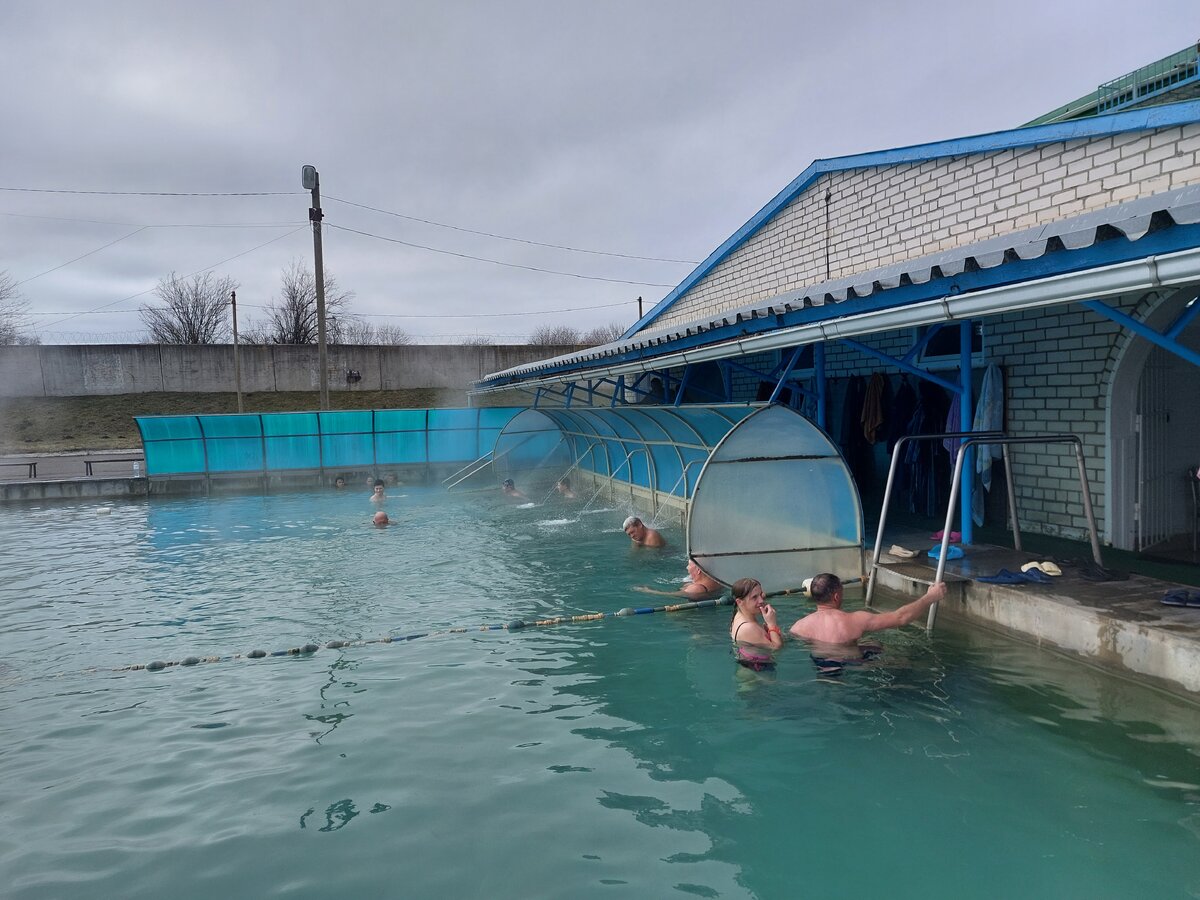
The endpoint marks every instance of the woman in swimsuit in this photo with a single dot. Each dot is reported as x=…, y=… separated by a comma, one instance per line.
x=746, y=632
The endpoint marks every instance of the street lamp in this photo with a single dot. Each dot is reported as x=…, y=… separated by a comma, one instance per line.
x=311, y=181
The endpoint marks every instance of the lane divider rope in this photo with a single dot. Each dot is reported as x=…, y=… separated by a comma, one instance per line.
x=515, y=625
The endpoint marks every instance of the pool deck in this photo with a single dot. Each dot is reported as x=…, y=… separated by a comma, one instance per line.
x=1120, y=625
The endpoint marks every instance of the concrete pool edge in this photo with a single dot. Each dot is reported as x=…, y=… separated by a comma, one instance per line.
x=1120, y=626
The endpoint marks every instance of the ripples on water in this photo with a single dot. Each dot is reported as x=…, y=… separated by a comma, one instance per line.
x=626, y=757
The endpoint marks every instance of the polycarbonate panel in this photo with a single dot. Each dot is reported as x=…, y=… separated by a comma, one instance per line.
x=174, y=457
x=343, y=451
x=298, y=452
x=230, y=426
x=163, y=428
x=400, y=447
x=289, y=424
x=450, y=419
x=235, y=454
x=776, y=502
x=336, y=439
x=400, y=420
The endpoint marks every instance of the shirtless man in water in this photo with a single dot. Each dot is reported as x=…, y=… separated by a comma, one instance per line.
x=641, y=535
x=834, y=633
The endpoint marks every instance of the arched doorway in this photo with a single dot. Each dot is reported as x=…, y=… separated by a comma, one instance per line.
x=1154, y=417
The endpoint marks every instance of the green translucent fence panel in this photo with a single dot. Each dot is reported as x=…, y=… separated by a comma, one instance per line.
x=347, y=421
x=290, y=424
x=451, y=419
x=346, y=451
x=173, y=444
x=387, y=420
x=339, y=439
x=401, y=447
x=233, y=443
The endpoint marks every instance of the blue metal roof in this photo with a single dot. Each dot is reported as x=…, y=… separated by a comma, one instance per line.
x=1100, y=126
x=1138, y=228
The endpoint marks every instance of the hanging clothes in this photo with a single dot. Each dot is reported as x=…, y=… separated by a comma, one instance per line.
x=873, y=417
x=904, y=404
x=952, y=425
x=989, y=416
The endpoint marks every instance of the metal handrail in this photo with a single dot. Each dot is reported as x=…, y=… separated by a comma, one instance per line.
x=487, y=456
x=887, y=491
x=571, y=468
x=1073, y=439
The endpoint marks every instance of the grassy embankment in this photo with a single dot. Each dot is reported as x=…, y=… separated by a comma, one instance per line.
x=57, y=424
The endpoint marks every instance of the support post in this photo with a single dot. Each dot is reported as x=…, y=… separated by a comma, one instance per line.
x=311, y=180
x=237, y=362
x=966, y=417
x=819, y=369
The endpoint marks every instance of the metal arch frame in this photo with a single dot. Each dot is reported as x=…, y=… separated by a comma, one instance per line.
x=836, y=453
x=1168, y=339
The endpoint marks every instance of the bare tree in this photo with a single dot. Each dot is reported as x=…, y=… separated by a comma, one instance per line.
x=554, y=335
x=13, y=308
x=292, y=319
x=478, y=340
x=604, y=334
x=358, y=331
x=196, y=311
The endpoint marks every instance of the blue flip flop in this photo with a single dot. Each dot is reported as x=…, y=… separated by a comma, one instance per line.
x=1181, y=597
x=952, y=552
x=1004, y=576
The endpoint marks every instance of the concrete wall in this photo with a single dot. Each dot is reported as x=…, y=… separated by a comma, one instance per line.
x=888, y=214
x=86, y=370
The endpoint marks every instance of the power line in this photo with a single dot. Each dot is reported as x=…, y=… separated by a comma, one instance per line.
x=496, y=261
x=534, y=312
x=155, y=193
x=155, y=224
x=504, y=237
x=102, y=306
x=89, y=253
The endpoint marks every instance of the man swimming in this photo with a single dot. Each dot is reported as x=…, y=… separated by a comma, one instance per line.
x=833, y=634
x=377, y=494
x=380, y=520
x=701, y=585
x=509, y=489
x=641, y=535
x=564, y=489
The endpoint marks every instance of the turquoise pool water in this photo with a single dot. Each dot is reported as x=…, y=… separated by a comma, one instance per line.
x=621, y=758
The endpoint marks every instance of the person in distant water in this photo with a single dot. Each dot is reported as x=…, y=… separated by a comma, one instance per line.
x=377, y=494
x=380, y=520
x=509, y=489
x=833, y=634
x=700, y=586
x=339, y=483
x=641, y=535
x=750, y=638
x=564, y=489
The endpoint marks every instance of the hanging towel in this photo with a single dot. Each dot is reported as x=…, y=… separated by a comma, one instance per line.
x=952, y=424
x=873, y=416
x=989, y=416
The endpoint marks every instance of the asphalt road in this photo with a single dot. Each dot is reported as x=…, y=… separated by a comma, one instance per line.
x=56, y=466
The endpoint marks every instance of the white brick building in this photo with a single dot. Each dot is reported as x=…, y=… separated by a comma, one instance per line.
x=1071, y=248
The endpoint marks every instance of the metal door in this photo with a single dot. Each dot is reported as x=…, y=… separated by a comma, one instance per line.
x=1154, y=480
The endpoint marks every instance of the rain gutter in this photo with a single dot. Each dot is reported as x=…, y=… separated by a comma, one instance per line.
x=1144, y=274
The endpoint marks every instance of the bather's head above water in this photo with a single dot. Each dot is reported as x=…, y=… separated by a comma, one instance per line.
x=826, y=590
x=380, y=520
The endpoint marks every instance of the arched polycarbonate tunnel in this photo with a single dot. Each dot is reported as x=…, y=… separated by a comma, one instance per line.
x=767, y=493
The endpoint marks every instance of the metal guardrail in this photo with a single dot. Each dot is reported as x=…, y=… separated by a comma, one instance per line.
x=971, y=439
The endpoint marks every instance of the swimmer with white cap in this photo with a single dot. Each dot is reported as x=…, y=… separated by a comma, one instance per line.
x=641, y=534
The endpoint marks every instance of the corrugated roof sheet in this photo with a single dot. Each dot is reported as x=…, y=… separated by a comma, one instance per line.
x=1131, y=220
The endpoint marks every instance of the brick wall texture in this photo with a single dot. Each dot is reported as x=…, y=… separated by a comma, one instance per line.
x=1059, y=362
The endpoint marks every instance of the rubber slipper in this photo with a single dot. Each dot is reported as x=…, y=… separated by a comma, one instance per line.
x=1047, y=567
x=901, y=552
x=1037, y=576
x=1177, y=597
x=952, y=552
x=955, y=536
x=1004, y=576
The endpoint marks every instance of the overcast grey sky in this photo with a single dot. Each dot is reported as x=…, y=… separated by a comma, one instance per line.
x=651, y=129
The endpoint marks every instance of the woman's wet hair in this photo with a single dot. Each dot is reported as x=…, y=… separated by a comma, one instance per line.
x=743, y=586
x=824, y=586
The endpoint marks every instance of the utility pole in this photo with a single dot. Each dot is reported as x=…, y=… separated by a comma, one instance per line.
x=237, y=363
x=312, y=181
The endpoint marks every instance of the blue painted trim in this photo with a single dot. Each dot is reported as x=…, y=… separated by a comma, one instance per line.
x=1099, y=126
x=1143, y=330
x=1103, y=253
x=900, y=364
x=1184, y=319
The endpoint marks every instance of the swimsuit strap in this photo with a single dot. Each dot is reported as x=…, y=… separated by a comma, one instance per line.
x=736, y=630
